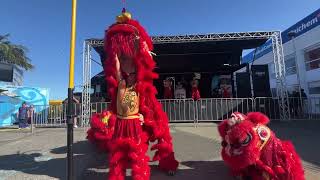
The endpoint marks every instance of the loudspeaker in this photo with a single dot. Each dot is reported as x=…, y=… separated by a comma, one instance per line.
x=6, y=72
x=260, y=80
x=243, y=84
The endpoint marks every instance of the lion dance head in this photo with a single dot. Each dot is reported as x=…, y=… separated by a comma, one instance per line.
x=243, y=138
x=128, y=40
x=252, y=150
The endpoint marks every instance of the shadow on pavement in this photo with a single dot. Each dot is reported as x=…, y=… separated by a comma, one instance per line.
x=304, y=135
x=42, y=163
x=191, y=170
x=196, y=170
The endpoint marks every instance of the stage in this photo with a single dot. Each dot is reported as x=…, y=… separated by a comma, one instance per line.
x=179, y=57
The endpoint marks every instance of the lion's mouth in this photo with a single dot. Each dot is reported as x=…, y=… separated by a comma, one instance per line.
x=237, y=152
x=233, y=152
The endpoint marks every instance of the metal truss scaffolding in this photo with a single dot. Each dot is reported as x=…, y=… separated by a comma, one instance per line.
x=278, y=58
x=86, y=105
x=280, y=71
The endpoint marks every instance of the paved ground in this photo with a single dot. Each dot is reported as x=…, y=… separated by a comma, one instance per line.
x=42, y=155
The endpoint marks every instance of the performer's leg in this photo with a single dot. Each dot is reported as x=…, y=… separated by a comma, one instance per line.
x=140, y=163
x=117, y=166
x=117, y=171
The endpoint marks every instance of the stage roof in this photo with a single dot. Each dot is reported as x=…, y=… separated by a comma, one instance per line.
x=199, y=53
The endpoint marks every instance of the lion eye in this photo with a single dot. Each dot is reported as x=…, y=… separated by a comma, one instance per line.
x=247, y=140
x=224, y=144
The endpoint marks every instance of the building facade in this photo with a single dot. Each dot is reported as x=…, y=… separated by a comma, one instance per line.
x=17, y=77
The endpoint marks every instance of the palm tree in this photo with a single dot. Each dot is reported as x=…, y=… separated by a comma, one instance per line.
x=14, y=54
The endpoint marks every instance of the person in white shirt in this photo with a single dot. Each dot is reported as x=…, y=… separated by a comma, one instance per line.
x=180, y=92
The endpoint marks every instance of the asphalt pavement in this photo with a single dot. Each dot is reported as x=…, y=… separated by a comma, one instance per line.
x=42, y=155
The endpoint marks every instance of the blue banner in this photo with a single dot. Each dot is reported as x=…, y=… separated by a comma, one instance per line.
x=301, y=27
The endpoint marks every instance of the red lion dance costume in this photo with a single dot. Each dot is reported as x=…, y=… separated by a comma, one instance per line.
x=137, y=117
x=252, y=150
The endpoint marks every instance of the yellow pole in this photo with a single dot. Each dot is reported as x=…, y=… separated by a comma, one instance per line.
x=72, y=43
x=70, y=115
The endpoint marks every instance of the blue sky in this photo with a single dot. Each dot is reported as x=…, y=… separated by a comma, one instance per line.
x=44, y=26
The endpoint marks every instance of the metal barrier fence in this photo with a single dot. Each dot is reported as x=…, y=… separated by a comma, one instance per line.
x=55, y=115
x=179, y=110
x=300, y=109
x=188, y=110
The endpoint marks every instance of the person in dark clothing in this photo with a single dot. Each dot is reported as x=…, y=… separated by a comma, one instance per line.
x=295, y=103
x=298, y=103
x=303, y=94
x=30, y=113
x=22, y=116
x=303, y=101
x=76, y=110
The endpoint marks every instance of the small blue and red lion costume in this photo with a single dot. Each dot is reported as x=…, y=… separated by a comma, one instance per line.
x=252, y=150
x=128, y=37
